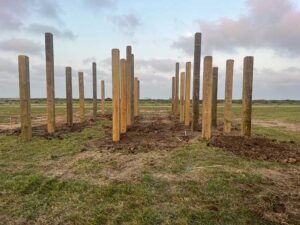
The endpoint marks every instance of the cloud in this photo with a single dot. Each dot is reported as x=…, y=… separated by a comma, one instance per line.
x=268, y=24
x=100, y=4
x=126, y=23
x=158, y=65
x=88, y=60
x=21, y=46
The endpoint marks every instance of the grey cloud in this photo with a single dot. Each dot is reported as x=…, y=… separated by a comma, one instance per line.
x=126, y=23
x=158, y=65
x=60, y=33
x=21, y=46
x=100, y=4
x=88, y=60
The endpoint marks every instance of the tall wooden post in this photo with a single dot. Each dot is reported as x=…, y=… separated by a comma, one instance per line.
x=247, y=96
x=173, y=94
x=207, y=99
x=176, y=100
x=187, y=94
x=128, y=76
x=196, y=82
x=136, y=97
x=81, y=97
x=116, y=93
x=138, y=102
x=50, y=82
x=132, y=88
x=69, y=96
x=103, y=97
x=182, y=83
x=94, y=91
x=123, y=97
x=25, y=105
x=228, y=96
x=215, y=98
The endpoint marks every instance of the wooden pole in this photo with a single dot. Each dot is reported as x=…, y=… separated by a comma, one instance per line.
x=128, y=76
x=138, y=105
x=247, y=96
x=94, y=91
x=187, y=94
x=132, y=88
x=176, y=89
x=81, y=97
x=69, y=96
x=123, y=97
x=215, y=98
x=182, y=82
x=136, y=97
x=103, y=97
x=173, y=94
x=116, y=94
x=207, y=99
x=228, y=96
x=25, y=105
x=50, y=82
x=196, y=82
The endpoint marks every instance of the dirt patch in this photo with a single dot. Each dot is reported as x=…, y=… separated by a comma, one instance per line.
x=258, y=148
x=295, y=127
x=149, y=133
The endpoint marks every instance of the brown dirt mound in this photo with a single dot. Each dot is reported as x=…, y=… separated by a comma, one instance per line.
x=258, y=148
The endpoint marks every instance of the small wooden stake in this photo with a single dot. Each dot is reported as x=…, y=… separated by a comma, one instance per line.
x=207, y=98
x=94, y=91
x=187, y=94
x=123, y=97
x=215, y=97
x=182, y=83
x=81, y=97
x=25, y=105
x=176, y=89
x=116, y=93
x=103, y=97
x=247, y=96
x=129, y=86
x=69, y=96
x=136, y=97
x=228, y=96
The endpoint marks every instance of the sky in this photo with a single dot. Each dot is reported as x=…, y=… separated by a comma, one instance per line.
x=161, y=33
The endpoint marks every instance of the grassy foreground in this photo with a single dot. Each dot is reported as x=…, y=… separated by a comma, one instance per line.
x=60, y=181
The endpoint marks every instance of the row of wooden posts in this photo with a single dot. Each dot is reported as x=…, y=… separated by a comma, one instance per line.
x=181, y=105
x=125, y=93
x=24, y=85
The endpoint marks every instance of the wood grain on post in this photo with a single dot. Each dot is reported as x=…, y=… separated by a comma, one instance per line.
x=187, y=94
x=69, y=96
x=247, y=96
x=136, y=97
x=103, y=97
x=50, y=83
x=196, y=82
x=132, y=88
x=25, y=105
x=228, y=96
x=138, y=105
x=116, y=94
x=173, y=94
x=207, y=99
x=128, y=76
x=176, y=102
x=94, y=91
x=81, y=97
x=182, y=83
x=123, y=97
x=215, y=98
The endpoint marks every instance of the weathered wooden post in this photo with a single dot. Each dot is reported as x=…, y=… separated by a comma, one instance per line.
x=176, y=100
x=215, y=98
x=129, y=87
x=247, y=96
x=116, y=94
x=132, y=88
x=81, y=97
x=103, y=97
x=136, y=97
x=25, y=105
x=196, y=82
x=94, y=91
x=138, y=105
x=228, y=96
x=69, y=96
x=123, y=97
x=207, y=99
x=50, y=83
x=182, y=83
x=187, y=94
x=173, y=94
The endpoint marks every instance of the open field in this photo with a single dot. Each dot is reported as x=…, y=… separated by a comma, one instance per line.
x=160, y=173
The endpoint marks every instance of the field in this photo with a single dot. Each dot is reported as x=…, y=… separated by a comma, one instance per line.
x=160, y=173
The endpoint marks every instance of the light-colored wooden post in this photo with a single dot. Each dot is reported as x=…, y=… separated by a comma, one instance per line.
x=136, y=97
x=196, y=82
x=94, y=91
x=187, y=94
x=215, y=98
x=138, y=102
x=50, y=82
x=128, y=76
x=103, y=97
x=173, y=94
x=176, y=100
x=207, y=98
x=24, y=85
x=123, y=97
x=132, y=89
x=69, y=96
x=247, y=96
x=81, y=97
x=116, y=94
x=182, y=83
x=228, y=96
